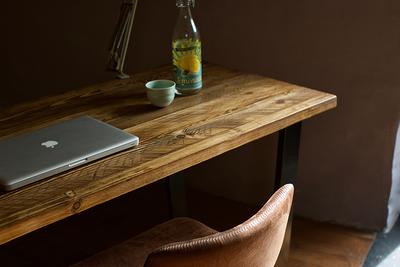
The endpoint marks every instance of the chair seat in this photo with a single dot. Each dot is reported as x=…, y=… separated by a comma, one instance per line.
x=134, y=251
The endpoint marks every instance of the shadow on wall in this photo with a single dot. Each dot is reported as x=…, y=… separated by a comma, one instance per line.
x=349, y=48
x=48, y=48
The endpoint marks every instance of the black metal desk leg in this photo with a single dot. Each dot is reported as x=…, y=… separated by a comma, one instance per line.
x=286, y=172
x=177, y=196
x=288, y=155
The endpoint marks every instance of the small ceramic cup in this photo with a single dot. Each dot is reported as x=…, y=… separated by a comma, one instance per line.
x=161, y=93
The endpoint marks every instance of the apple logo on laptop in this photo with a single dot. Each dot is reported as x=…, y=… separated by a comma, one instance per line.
x=50, y=144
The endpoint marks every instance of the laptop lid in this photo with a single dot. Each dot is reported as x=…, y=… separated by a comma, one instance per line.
x=40, y=154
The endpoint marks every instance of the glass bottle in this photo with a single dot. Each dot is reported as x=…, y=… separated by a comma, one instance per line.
x=186, y=51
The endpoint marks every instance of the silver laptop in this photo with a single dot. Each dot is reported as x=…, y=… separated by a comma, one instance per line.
x=31, y=157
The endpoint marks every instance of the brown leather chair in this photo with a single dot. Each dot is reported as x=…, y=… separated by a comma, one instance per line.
x=186, y=242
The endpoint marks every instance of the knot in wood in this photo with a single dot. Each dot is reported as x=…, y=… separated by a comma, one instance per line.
x=76, y=205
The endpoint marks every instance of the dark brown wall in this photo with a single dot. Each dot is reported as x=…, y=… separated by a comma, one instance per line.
x=48, y=47
x=349, y=48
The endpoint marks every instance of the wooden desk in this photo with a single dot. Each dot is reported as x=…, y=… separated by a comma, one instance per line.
x=233, y=109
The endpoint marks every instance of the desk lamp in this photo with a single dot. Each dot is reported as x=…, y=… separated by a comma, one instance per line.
x=121, y=38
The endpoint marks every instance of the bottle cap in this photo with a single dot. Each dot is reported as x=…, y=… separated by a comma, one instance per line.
x=182, y=3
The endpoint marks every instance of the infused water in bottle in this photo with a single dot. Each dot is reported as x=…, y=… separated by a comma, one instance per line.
x=186, y=51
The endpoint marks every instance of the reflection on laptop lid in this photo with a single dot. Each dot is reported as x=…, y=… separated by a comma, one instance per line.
x=40, y=154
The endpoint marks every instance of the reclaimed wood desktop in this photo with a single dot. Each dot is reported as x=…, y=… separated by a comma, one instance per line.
x=233, y=109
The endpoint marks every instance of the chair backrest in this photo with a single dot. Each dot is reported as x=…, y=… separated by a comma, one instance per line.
x=256, y=242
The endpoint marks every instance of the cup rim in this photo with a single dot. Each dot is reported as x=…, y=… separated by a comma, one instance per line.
x=173, y=85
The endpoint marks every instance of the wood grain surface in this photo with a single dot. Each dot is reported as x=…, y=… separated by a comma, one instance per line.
x=233, y=109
